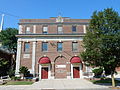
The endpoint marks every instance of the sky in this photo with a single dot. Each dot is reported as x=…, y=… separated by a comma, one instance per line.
x=39, y=9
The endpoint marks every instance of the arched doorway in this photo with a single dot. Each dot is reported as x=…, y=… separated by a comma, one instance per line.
x=60, y=67
x=76, y=67
x=44, y=68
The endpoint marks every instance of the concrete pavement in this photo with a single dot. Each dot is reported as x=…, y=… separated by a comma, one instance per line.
x=56, y=84
x=66, y=84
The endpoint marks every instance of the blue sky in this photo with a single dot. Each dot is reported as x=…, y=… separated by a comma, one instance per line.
x=29, y=9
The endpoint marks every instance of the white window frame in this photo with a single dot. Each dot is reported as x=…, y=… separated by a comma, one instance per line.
x=27, y=30
x=60, y=29
x=45, y=29
x=76, y=47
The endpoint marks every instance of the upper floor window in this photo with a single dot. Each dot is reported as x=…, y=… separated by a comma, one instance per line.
x=59, y=46
x=74, y=29
x=45, y=30
x=60, y=29
x=27, y=47
x=44, y=46
x=27, y=30
x=74, y=46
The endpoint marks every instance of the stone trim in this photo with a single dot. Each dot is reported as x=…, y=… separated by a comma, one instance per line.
x=34, y=28
x=49, y=71
x=80, y=68
x=51, y=35
x=53, y=23
x=51, y=39
x=20, y=29
x=33, y=57
x=84, y=28
x=18, y=57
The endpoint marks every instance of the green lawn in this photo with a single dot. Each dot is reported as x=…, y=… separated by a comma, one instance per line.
x=19, y=83
x=107, y=80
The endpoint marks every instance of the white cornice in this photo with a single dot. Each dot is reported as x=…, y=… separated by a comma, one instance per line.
x=51, y=39
x=50, y=35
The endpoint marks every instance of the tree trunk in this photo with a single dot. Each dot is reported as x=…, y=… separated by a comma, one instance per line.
x=23, y=76
x=113, y=80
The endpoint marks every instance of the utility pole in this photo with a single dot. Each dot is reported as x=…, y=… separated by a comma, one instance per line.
x=2, y=22
x=1, y=27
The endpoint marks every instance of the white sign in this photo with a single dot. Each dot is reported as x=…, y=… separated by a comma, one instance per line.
x=26, y=55
x=60, y=66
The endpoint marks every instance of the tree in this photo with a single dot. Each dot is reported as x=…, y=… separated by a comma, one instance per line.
x=102, y=41
x=5, y=62
x=8, y=38
x=9, y=42
x=24, y=70
x=4, y=67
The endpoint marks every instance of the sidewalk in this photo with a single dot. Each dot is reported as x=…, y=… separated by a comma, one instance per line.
x=56, y=84
x=66, y=84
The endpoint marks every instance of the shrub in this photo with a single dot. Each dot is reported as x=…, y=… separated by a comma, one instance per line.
x=98, y=72
x=15, y=78
x=24, y=71
x=11, y=73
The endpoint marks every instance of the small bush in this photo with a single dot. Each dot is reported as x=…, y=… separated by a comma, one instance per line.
x=24, y=71
x=98, y=72
x=11, y=73
x=15, y=78
x=37, y=79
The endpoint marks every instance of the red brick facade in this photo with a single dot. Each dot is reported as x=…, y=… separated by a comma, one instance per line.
x=60, y=66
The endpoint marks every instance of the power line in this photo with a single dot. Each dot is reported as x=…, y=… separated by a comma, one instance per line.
x=10, y=14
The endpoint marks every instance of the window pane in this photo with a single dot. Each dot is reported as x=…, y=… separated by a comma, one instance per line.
x=44, y=46
x=60, y=30
x=27, y=47
x=74, y=46
x=59, y=47
x=28, y=30
x=74, y=28
x=45, y=30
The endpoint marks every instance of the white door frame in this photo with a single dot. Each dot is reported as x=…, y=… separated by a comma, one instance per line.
x=49, y=70
x=80, y=70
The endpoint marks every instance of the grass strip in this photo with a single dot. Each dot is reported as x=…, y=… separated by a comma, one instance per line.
x=107, y=80
x=19, y=83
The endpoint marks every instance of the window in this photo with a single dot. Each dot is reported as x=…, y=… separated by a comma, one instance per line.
x=60, y=29
x=73, y=28
x=44, y=46
x=27, y=30
x=27, y=47
x=59, y=46
x=45, y=30
x=74, y=46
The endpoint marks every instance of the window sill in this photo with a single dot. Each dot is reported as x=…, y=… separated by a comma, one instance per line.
x=26, y=52
x=75, y=51
x=59, y=51
x=44, y=51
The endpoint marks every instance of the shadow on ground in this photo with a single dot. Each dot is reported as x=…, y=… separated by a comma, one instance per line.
x=109, y=84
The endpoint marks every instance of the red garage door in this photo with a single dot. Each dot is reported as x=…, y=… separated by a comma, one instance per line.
x=76, y=73
x=44, y=73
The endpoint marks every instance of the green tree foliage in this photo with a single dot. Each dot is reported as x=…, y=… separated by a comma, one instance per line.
x=8, y=38
x=9, y=41
x=4, y=67
x=102, y=41
x=24, y=70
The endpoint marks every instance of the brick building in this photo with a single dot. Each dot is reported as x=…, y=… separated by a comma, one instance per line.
x=50, y=48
